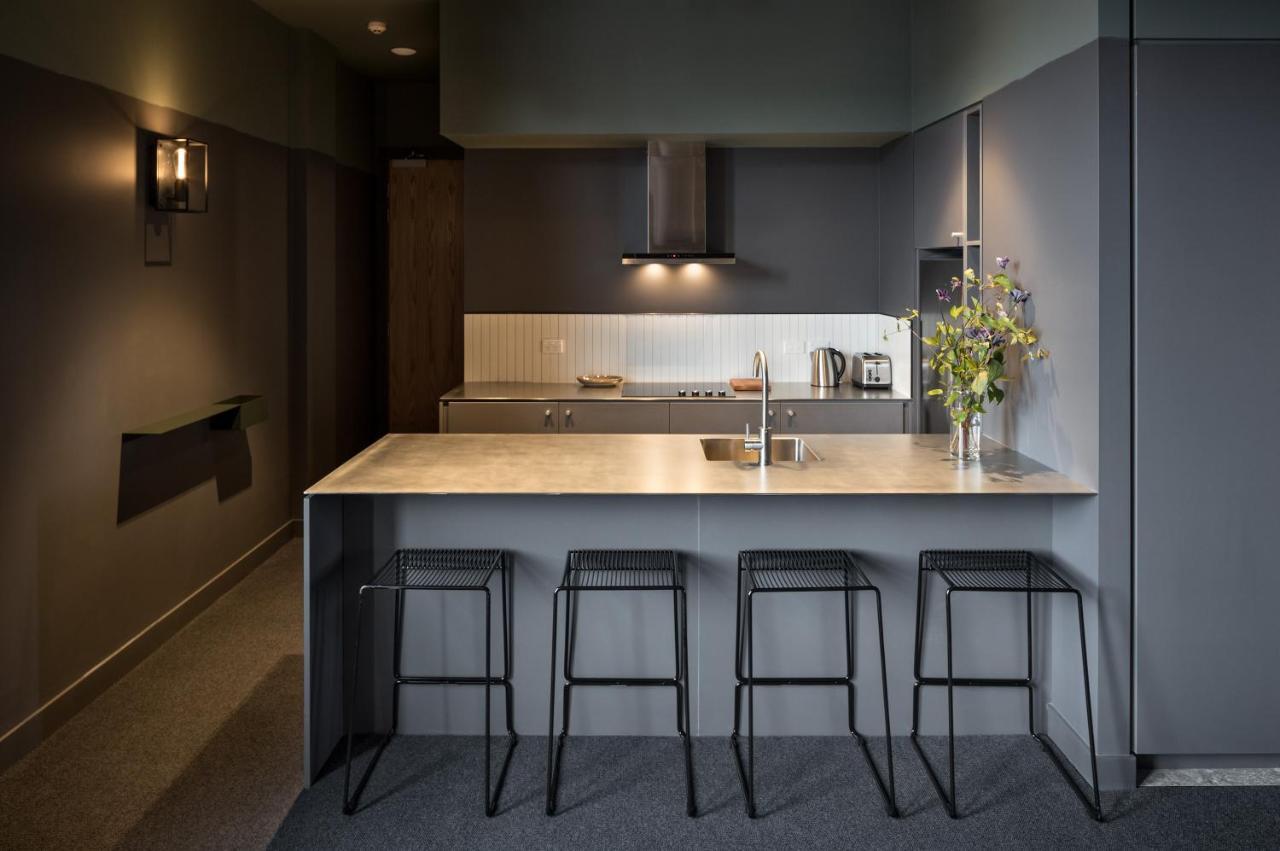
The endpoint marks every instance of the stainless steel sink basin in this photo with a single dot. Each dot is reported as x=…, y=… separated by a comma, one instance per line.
x=734, y=449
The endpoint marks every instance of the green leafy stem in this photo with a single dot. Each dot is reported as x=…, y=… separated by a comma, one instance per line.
x=973, y=341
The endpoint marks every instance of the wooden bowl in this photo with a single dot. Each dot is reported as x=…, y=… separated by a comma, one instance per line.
x=599, y=380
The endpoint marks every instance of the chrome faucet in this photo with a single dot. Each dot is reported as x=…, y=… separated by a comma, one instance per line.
x=764, y=441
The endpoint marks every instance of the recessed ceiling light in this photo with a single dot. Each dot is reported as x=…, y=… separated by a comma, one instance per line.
x=377, y=27
x=403, y=51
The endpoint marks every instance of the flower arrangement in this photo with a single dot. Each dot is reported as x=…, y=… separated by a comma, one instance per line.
x=971, y=346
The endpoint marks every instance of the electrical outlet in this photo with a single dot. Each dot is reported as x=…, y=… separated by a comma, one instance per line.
x=552, y=345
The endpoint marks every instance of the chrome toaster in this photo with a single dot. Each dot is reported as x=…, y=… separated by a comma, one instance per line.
x=871, y=369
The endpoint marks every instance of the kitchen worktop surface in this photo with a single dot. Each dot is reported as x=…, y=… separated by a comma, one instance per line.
x=782, y=391
x=674, y=464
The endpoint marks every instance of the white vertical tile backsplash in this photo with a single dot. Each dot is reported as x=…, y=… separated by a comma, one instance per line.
x=669, y=347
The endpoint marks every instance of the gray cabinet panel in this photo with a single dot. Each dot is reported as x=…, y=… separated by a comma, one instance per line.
x=897, y=228
x=842, y=418
x=939, y=182
x=1206, y=586
x=613, y=417
x=503, y=417
x=717, y=417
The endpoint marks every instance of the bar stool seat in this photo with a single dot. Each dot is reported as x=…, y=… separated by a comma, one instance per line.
x=437, y=570
x=994, y=571
x=783, y=571
x=620, y=571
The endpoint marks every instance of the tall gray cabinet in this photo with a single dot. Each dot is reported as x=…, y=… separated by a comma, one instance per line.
x=1206, y=302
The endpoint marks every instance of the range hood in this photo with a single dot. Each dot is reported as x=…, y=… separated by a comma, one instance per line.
x=677, y=207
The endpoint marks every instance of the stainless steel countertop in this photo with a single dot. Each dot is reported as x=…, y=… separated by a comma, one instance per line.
x=783, y=391
x=673, y=464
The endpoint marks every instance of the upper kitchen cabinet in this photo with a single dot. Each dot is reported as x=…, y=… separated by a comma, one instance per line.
x=578, y=73
x=940, y=184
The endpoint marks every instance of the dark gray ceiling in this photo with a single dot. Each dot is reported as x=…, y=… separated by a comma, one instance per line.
x=344, y=24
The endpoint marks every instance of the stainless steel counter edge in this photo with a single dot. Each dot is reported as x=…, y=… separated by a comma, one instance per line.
x=673, y=465
x=783, y=391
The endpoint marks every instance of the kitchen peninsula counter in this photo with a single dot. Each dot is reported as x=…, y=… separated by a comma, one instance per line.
x=883, y=497
x=673, y=464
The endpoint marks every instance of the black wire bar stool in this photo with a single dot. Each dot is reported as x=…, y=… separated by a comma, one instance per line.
x=803, y=571
x=994, y=571
x=438, y=570
x=620, y=571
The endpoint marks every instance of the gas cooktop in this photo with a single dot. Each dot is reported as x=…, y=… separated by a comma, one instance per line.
x=683, y=389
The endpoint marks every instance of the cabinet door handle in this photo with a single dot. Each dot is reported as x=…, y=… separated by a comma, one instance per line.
x=771, y=415
x=790, y=412
x=568, y=414
x=546, y=415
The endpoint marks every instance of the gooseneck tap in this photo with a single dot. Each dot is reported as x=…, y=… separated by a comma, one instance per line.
x=764, y=441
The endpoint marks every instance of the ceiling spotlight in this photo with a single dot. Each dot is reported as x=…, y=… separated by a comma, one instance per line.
x=403, y=51
x=377, y=27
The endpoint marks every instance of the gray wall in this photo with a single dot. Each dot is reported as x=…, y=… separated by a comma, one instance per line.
x=266, y=293
x=545, y=230
x=1205, y=465
x=574, y=71
x=102, y=538
x=963, y=51
x=1051, y=168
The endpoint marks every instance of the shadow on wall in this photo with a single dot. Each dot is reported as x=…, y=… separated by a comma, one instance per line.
x=155, y=469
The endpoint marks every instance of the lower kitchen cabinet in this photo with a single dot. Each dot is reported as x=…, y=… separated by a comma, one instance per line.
x=643, y=417
x=842, y=418
x=613, y=417
x=718, y=417
x=500, y=417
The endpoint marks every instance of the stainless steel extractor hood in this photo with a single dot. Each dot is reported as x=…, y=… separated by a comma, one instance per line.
x=677, y=207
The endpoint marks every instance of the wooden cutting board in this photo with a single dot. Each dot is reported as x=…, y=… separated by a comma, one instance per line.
x=746, y=384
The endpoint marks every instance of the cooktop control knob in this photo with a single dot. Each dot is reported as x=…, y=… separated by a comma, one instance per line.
x=682, y=393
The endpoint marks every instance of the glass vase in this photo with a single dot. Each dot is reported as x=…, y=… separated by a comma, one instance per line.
x=966, y=437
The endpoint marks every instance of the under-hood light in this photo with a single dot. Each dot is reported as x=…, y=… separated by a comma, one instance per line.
x=679, y=259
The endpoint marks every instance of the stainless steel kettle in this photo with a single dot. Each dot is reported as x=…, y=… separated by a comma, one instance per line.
x=826, y=372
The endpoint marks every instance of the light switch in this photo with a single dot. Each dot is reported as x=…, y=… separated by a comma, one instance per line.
x=552, y=345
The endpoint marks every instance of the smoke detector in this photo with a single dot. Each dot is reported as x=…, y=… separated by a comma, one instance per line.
x=377, y=27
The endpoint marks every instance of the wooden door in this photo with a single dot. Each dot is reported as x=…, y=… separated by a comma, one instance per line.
x=424, y=299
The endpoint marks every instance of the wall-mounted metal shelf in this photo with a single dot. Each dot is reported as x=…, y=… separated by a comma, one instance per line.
x=237, y=412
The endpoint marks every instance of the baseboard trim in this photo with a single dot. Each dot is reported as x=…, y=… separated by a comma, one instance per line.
x=1115, y=771
x=24, y=736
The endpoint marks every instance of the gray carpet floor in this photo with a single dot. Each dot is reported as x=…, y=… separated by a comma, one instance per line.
x=813, y=792
x=197, y=747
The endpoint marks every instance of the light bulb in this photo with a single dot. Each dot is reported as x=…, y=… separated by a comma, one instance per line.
x=180, y=168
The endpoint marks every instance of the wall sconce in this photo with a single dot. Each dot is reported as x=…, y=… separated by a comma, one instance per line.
x=182, y=176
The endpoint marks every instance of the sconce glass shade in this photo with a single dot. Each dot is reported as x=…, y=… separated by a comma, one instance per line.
x=182, y=176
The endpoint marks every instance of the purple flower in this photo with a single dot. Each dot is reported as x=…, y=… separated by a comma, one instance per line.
x=1019, y=295
x=943, y=295
x=998, y=341
x=977, y=333
x=1002, y=262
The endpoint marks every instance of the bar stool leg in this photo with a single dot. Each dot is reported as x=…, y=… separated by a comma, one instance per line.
x=888, y=736
x=848, y=666
x=887, y=791
x=490, y=806
x=349, y=799
x=951, y=717
x=1031, y=691
x=553, y=766
x=919, y=649
x=1088, y=710
x=680, y=610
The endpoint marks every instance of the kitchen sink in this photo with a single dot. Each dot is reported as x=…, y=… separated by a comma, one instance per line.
x=735, y=449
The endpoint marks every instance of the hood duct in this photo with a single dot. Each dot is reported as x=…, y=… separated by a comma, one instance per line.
x=677, y=218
